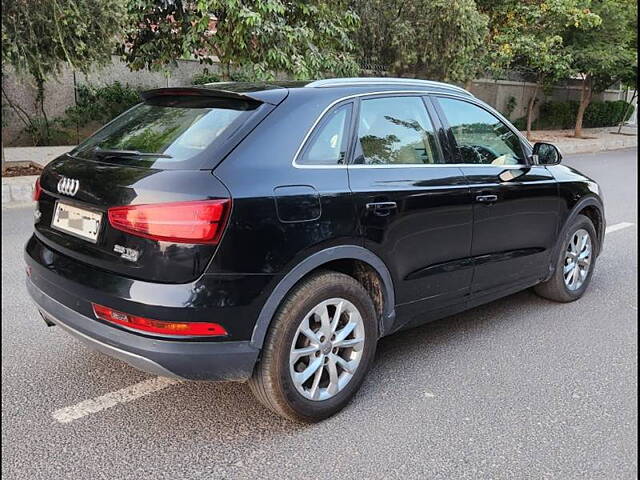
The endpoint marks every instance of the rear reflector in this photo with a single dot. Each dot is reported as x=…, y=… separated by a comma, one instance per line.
x=158, y=326
x=37, y=190
x=184, y=222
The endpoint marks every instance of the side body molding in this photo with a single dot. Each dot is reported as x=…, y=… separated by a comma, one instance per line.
x=314, y=261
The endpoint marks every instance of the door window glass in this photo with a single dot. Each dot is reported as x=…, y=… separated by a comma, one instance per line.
x=328, y=145
x=396, y=130
x=481, y=137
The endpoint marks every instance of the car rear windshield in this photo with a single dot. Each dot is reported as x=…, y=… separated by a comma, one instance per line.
x=167, y=132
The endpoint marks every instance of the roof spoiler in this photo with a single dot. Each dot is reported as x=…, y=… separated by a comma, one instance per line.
x=208, y=91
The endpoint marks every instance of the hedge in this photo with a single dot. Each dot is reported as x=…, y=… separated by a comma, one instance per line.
x=101, y=103
x=94, y=107
x=562, y=115
x=209, y=77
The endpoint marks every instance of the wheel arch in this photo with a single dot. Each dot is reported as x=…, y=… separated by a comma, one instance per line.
x=591, y=206
x=332, y=258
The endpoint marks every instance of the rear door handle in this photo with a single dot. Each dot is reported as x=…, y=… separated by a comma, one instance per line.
x=486, y=198
x=382, y=209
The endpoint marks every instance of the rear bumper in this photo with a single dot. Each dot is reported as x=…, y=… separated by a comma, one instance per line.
x=178, y=359
x=65, y=288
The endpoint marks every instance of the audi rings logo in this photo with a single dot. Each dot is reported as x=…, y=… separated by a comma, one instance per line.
x=68, y=186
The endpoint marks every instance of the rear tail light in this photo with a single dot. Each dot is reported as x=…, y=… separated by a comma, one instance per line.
x=184, y=222
x=158, y=326
x=37, y=190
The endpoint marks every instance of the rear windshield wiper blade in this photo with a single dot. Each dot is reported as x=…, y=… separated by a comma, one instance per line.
x=129, y=153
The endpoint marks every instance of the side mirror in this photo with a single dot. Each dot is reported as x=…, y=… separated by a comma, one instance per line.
x=547, y=153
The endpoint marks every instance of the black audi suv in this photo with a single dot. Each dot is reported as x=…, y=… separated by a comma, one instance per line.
x=274, y=232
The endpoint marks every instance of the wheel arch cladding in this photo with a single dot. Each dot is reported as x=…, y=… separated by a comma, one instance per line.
x=327, y=258
x=591, y=207
x=593, y=213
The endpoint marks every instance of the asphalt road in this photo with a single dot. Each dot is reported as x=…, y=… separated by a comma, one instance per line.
x=519, y=388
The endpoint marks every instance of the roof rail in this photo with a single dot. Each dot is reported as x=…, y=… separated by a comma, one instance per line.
x=339, y=82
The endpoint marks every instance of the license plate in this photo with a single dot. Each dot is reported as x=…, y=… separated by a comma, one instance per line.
x=76, y=221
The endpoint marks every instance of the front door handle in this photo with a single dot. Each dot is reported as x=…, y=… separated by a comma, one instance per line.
x=382, y=209
x=486, y=198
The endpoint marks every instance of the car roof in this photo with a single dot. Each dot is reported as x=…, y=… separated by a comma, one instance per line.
x=275, y=92
x=336, y=83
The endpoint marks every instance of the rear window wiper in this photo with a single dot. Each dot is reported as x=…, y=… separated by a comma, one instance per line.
x=128, y=153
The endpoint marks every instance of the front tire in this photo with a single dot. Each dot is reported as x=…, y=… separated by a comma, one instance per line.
x=318, y=350
x=575, y=263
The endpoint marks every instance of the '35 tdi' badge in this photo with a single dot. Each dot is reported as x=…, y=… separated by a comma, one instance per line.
x=126, y=253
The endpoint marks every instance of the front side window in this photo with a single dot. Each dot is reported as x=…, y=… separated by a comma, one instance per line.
x=396, y=131
x=481, y=137
x=328, y=144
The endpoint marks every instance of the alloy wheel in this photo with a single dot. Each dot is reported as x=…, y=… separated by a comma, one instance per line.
x=577, y=259
x=327, y=349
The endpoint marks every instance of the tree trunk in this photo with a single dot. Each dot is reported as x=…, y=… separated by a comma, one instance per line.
x=585, y=99
x=40, y=104
x=226, y=71
x=530, y=105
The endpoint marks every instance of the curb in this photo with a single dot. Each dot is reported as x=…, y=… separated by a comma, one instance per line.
x=595, y=147
x=18, y=190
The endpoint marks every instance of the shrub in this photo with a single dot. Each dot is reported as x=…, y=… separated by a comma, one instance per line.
x=243, y=75
x=605, y=114
x=562, y=115
x=206, y=76
x=39, y=136
x=557, y=115
x=520, y=123
x=100, y=104
x=512, y=103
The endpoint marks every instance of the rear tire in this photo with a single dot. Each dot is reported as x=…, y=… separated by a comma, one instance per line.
x=575, y=263
x=299, y=375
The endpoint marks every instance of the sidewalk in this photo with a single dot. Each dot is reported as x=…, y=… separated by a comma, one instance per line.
x=18, y=190
x=600, y=139
x=38, y=155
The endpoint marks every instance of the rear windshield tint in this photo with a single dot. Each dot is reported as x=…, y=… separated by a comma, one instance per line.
x=180, y=129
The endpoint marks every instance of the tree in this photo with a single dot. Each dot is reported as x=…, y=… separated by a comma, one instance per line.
x=436, y=39
x=606, y=54
x=305, y=38
x=40, y=36
x=529, y=36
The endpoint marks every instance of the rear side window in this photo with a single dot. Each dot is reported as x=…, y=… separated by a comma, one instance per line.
x=328, y=145
x=396, y=131
x=178, y=129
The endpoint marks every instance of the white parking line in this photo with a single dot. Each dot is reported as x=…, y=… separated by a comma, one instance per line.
x=618, y=226
x=127, y=394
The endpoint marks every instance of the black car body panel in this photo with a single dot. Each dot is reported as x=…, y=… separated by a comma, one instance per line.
x=429, y=245
x=106, y=185
x=526, y=213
